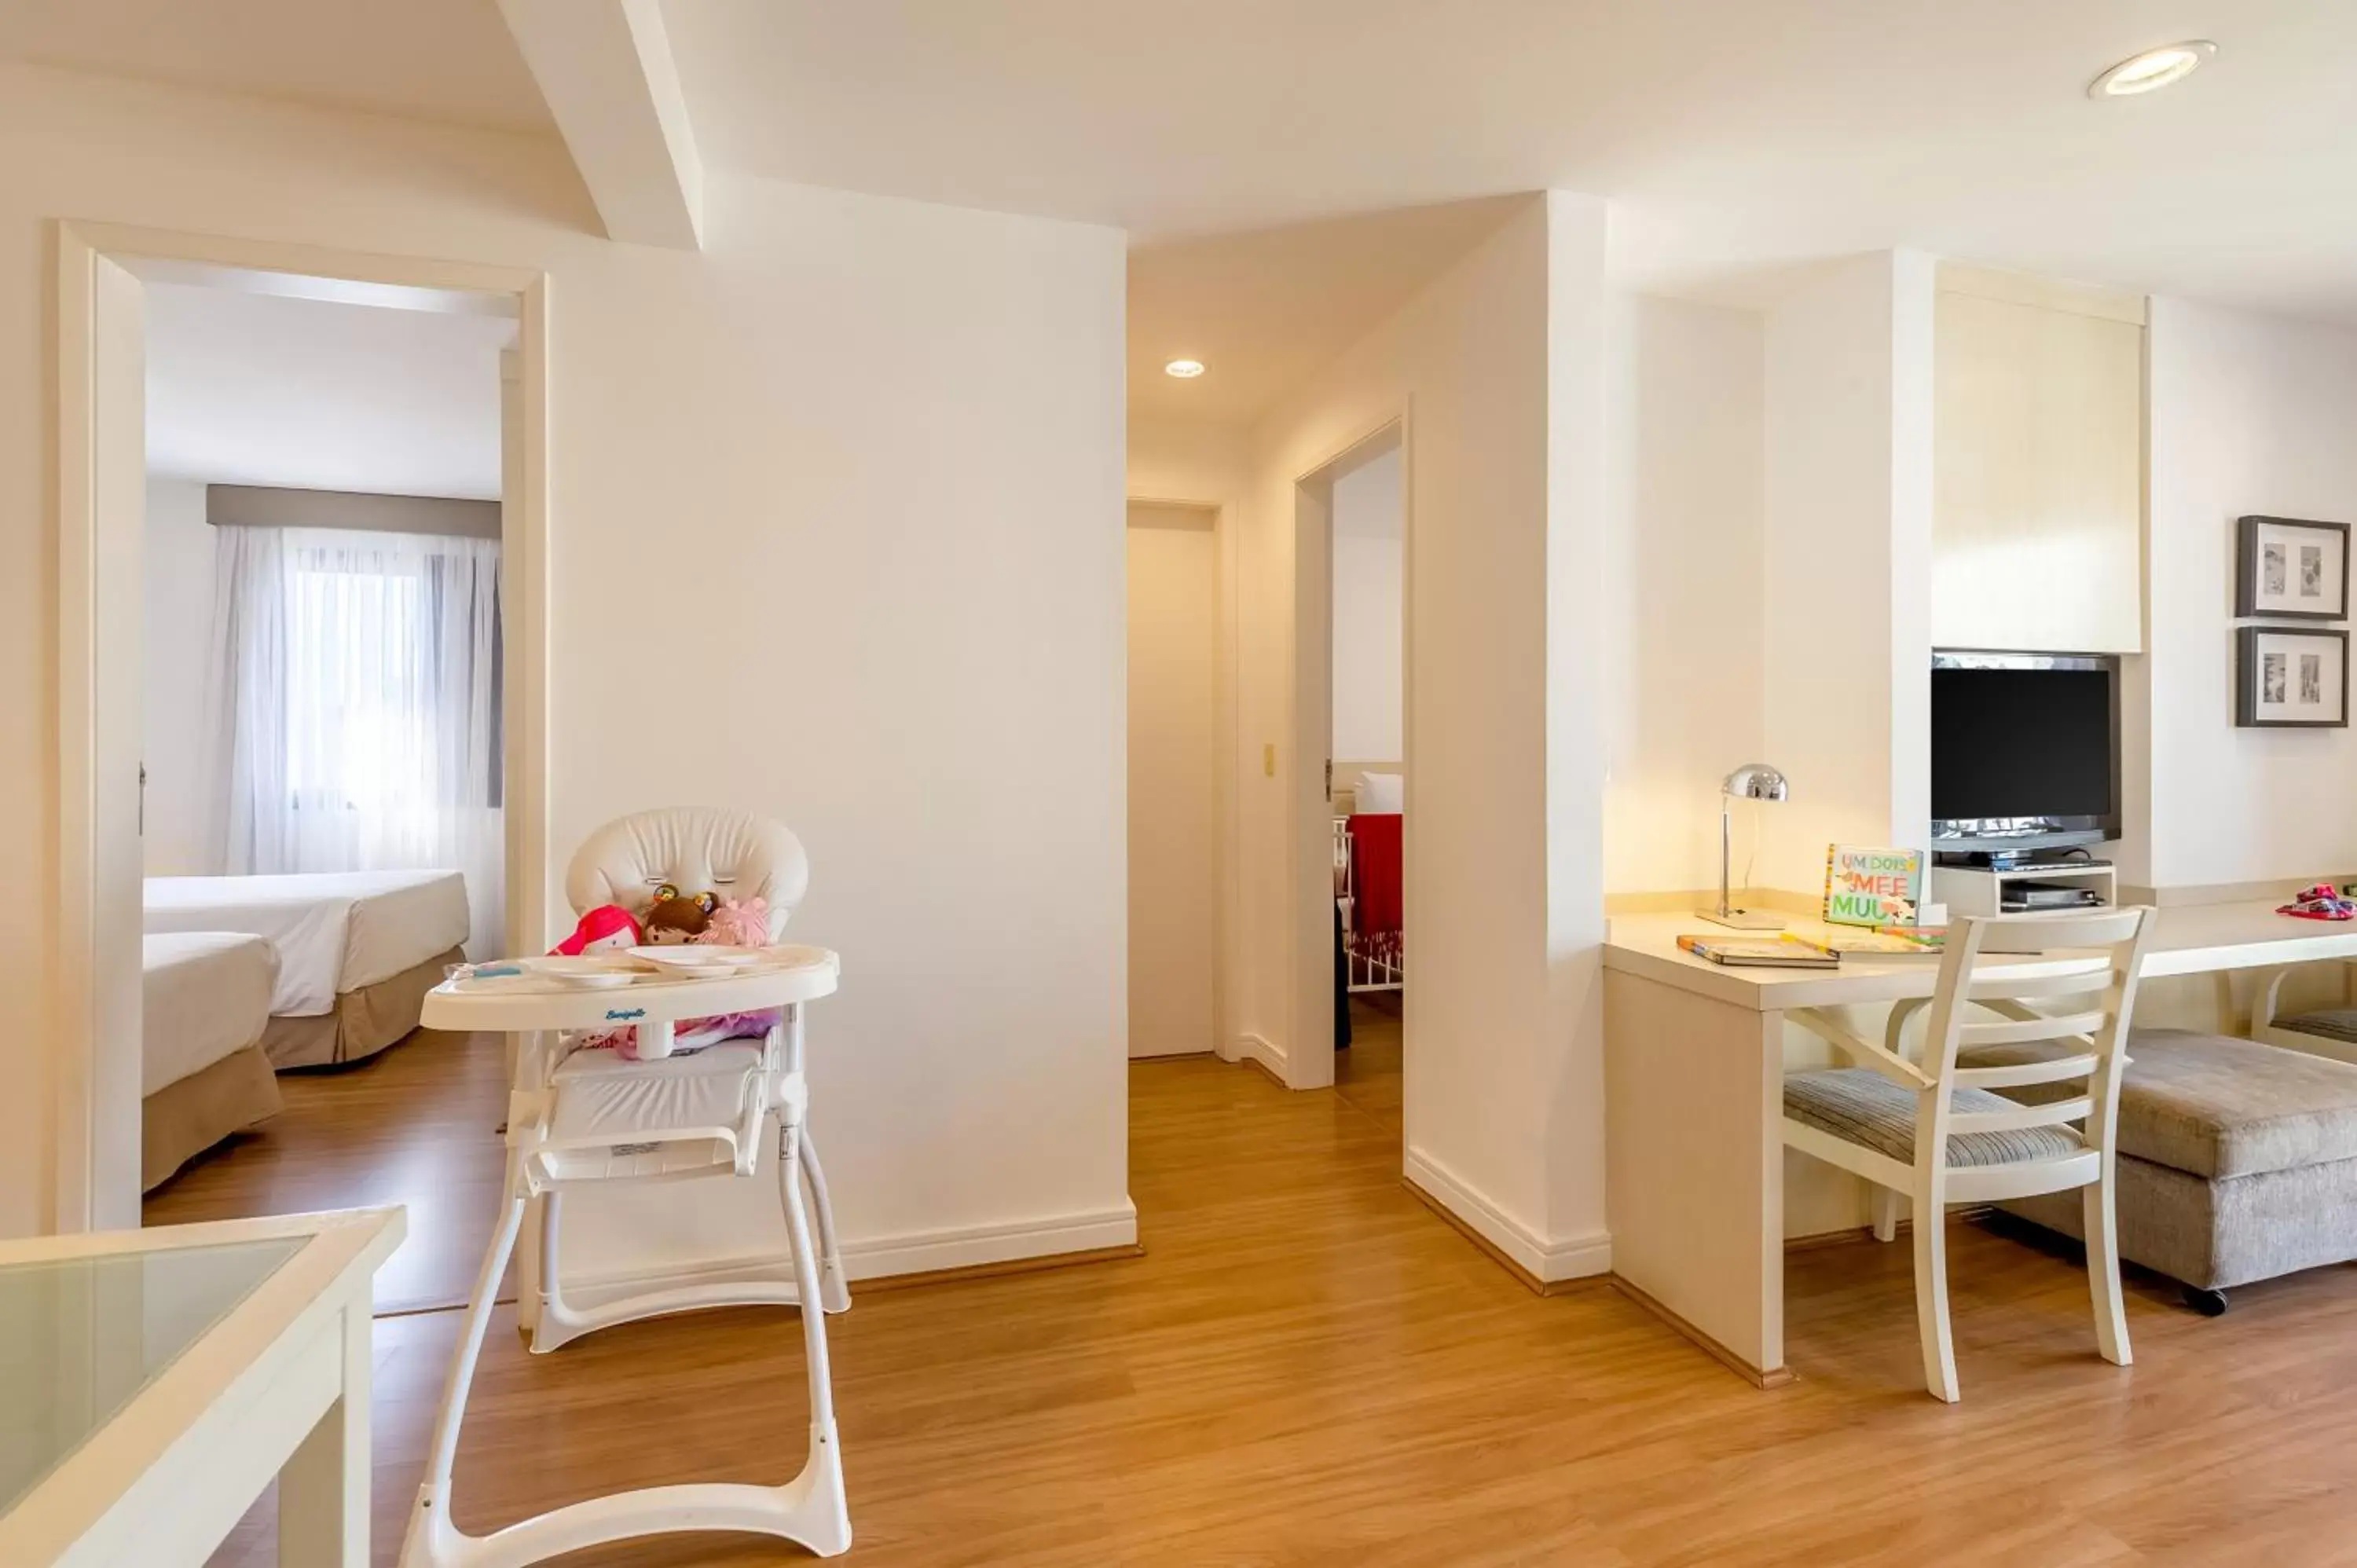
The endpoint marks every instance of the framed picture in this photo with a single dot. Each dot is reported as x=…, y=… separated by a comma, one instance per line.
x=2291, y=570
x=2290, y=679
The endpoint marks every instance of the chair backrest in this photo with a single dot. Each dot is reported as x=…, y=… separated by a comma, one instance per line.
x=694, y=848
x=2091, y=986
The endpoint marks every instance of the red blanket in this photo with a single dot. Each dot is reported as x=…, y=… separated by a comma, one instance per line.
x=1375, y=874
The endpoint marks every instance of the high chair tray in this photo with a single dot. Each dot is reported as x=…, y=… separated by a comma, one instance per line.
x=787, y=973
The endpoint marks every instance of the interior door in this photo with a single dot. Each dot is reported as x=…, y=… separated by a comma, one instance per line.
x=119, y=498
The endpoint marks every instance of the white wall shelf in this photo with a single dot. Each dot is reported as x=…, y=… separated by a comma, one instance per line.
x=1970, y=890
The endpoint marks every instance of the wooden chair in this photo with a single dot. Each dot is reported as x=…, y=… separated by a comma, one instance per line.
x=1937, y=1134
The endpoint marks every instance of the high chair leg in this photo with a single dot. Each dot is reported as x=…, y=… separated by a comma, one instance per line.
x=432, y=1540
x=835, y=1289
x=822, y=1516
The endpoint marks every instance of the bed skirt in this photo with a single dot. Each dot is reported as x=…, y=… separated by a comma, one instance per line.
x=364, y=1021
x=181, y=1121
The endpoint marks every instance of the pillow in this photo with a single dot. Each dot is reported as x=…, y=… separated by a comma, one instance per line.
x=1380, y=793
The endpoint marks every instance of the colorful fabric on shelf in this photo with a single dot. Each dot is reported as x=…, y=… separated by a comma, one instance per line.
x=2321, y=902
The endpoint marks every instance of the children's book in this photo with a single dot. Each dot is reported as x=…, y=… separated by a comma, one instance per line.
x=1773, y=953
x=1874, y=946
x=1867, y=887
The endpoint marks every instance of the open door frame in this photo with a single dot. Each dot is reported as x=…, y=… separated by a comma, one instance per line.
x=1309, y=1060
x=93, y=1006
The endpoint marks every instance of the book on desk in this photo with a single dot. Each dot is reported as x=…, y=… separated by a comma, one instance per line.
x=1772, y=952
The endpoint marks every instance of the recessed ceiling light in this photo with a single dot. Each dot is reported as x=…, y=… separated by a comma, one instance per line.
x=1185, y=369
x=2153, y=69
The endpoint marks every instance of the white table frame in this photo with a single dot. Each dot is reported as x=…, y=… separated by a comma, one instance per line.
x=278, y=1388
x=1694, y=1102
x=810, y=1510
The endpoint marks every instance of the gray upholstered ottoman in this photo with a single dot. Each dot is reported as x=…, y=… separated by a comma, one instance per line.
x=2237, y=1160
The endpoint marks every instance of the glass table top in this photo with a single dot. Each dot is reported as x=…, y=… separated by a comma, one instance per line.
x=80, y=1337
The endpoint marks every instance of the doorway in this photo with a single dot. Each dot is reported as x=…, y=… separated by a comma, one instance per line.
x=132, y=553
x=1355, y=721
x=1174, y=576
x=1368, y=795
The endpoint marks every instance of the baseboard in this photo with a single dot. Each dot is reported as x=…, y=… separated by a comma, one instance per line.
x=1547, y=1267
x=1779, y=1377
x=1263, y=1053
x=1844, y=1236
x=963, y=1253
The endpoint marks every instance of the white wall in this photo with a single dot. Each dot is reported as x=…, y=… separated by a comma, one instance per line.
x=1174, y=849
x=175, y=656
x=873, y=451
x=2249, y=414
x=1209, y=465
x=1369, y=613
x=1685, y=606
x=1501, y=361
x=1847, y=565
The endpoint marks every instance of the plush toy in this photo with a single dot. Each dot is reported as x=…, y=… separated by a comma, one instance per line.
x=676, y=917
x=739, y=924
x=606, y=926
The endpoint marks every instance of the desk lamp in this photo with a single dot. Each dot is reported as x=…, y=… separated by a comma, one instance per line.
x=1752, y=782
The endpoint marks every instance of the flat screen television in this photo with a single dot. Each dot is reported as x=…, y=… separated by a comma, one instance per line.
x=2025, y=751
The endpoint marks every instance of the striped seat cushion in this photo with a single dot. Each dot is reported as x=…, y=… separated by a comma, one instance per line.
x=1861, y=1106
x=2332, y=1023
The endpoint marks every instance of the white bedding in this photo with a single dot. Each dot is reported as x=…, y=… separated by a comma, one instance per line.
x=335, y=930
x=206, y=993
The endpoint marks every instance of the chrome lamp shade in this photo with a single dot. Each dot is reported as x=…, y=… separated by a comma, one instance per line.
x=1752, y=782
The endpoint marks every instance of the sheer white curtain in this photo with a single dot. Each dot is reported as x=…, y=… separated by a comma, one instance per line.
x=359, y=716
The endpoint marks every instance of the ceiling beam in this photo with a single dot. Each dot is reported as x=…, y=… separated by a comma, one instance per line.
x=605, y=67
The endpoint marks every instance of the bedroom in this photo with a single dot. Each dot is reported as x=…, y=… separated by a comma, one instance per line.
x=321, y=736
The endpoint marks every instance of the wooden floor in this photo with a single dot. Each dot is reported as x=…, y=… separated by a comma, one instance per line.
x=1369, y=1074
x=417, y=1124
x=1308, y=1368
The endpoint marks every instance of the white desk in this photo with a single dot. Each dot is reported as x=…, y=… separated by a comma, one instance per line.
x=1694, y=1101
x=152, y=1383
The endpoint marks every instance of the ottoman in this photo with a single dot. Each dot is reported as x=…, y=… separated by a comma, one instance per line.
x=2237, y=1161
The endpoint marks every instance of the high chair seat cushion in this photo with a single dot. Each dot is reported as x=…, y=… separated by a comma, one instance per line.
x=1862, y=1107
x=601, y=1097
x=697, y=849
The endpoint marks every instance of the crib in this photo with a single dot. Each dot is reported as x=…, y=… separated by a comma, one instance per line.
x=1372, y=961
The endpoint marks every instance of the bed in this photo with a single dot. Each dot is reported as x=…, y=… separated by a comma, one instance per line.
x=358, y=951
x=203, y=1073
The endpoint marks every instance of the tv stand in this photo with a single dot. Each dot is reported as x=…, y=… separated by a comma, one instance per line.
x=2065, y=859
x=1988, y=890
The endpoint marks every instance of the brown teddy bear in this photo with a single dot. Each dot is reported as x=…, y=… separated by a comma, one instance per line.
x=675, y=918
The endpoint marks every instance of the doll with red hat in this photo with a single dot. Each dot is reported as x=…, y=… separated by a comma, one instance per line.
x=602, y=929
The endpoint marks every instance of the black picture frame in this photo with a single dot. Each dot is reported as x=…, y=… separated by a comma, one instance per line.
x=2247, y=674
x=2246, y=568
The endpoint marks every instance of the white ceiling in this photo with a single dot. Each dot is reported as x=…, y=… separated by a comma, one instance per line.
x=1262, y=310
x=1738, y=139
x=427, y=59
x=255, y=389
x=1739, y=136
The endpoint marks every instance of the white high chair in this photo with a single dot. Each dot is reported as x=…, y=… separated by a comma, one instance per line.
x=590, y=1117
